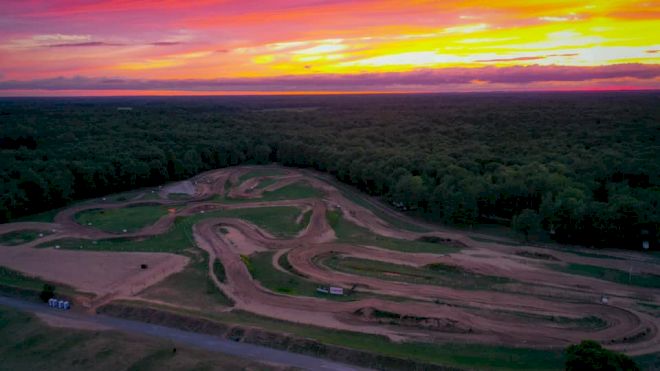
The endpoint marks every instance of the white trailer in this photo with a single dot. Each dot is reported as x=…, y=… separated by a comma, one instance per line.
x=336, y=291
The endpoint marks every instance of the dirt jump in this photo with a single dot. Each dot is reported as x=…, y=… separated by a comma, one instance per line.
x=532, y=305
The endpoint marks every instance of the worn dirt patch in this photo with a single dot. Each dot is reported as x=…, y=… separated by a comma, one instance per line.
x=95, y=272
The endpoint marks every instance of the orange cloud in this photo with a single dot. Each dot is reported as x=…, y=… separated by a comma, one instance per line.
x=203, y=40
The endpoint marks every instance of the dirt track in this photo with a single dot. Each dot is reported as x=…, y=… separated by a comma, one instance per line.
x=537, y=299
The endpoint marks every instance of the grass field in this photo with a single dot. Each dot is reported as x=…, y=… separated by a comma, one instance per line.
x=130, y=219
x=435, y=274
x=44, y=217
x=262, y=270
x=348, y=232
x=612, y=275
x=292, y=191
x=21, y=237
x=219, y=270
x=29, y=344
x=279, y=221
x=13, y=279
x=179, y=196
x=266, y=182
x=592, y=255
x=191, y=287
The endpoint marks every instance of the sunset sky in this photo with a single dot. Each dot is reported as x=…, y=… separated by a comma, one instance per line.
x=122, y=47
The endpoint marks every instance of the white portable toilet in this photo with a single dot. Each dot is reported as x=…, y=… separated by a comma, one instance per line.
x=67, y=305
x=60, y=304
x=51, y=302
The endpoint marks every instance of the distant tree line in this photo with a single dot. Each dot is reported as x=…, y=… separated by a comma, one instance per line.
x=584, y=168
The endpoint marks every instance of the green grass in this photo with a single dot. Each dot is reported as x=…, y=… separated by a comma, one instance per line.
x=144, y=194
x=260, y=172
x=592, y=255
x=279, y=221
x=14, y=279
x=306, y=218
x=608, y=274
x=292, y=191
x=20, y=237
x=652, y=309
x=348, y=232
x=190, y=287
x=29, y=344
x=9, y=277
x=219, y=270
x=262, y=270
x=435, y=274
x=648, y=361
x=179, y=196
x=128, y=218
x=44, y=217
x=266, y=182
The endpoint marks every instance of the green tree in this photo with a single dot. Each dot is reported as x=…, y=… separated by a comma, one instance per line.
x=47, y=292
x=262, y=154
x=591, y=356
x=410, y=190
x=528, y=221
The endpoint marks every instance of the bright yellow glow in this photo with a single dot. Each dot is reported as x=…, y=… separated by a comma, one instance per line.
x=224, y=39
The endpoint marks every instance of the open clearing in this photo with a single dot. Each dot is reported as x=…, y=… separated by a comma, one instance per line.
x=254, y=244
x=95, y=272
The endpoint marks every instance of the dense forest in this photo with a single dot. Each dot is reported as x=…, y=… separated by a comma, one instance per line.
x=584, y=167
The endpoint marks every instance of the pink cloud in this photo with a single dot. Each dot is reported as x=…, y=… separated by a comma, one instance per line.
x=421, y=80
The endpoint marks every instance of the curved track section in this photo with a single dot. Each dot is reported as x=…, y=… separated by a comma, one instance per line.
x=540, y=307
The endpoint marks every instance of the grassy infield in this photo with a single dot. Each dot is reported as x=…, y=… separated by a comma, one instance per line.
x=193, y=284
x=20, y=237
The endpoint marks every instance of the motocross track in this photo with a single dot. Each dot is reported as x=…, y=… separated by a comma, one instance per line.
x=523, y=312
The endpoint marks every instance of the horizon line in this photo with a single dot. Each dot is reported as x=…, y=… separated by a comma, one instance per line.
x=175, y=93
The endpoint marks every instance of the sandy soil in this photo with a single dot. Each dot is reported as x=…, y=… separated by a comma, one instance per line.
x=100, y=273
x=513, y=314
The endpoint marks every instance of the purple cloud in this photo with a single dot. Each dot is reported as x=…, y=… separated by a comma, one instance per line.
x=83, y=44
x=427, y=79
x=529, y=58
x=165, y=43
